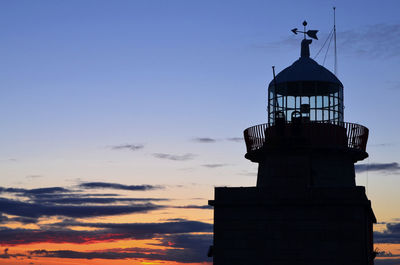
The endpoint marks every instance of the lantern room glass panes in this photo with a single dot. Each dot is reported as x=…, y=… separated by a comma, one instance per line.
x=312, y=101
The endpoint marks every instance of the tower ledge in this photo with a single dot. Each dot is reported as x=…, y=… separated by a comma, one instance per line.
x=343, y=137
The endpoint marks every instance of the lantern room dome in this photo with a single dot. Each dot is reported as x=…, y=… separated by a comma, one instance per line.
x=305, y=90
x=306, y=69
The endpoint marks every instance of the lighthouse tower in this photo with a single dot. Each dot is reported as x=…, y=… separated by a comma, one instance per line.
x=306, y=208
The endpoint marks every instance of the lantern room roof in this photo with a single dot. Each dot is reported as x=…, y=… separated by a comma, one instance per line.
x=306, y=69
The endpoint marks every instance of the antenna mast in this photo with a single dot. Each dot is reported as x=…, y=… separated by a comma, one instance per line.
x=334, y=37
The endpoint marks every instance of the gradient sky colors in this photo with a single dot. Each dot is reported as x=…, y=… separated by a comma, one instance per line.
x=119, y=117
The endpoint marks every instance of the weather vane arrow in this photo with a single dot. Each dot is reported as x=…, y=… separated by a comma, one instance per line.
x=310, y=33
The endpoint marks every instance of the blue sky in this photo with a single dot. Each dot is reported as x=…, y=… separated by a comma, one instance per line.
x=79, y=78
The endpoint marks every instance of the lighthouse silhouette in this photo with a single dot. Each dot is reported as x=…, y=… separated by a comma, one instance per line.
x=306, y=208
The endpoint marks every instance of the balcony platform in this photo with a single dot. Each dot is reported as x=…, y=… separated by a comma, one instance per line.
x=340, y=137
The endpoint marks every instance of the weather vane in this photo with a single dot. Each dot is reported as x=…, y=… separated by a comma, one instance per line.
x=310, y=33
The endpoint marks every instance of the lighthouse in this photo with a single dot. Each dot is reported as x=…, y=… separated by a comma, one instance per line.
x=305, y=208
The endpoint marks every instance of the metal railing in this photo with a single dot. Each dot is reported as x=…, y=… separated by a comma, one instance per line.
x=323, y=134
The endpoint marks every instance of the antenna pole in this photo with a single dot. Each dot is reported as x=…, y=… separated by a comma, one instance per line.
x=334, y=37
x=276, y=103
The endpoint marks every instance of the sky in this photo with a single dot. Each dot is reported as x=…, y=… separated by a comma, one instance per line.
x=118, y=118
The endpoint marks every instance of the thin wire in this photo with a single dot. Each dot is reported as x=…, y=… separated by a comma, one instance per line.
x=323, y=44
x=327, y=50
x=334, y=34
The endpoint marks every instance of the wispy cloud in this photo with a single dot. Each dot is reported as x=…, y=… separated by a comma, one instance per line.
x=131, y=147
x=204, y=140
x=34, y=192
x=88, y=200
x=235, y=139
x=117, y=186
x=384, y=167
x=194, y=207
x=214, y=165
x=36, y=210
x=214, y=140
x=248, y=173
x=393, y=84
x=172, y=157
x=34, y=176
x=382, y=145
x=60, y=192
x=372, y=42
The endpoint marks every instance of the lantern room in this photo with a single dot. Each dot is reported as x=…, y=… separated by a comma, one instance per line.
x=306, y=91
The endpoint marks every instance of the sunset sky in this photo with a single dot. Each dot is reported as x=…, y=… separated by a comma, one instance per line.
x=118, y=118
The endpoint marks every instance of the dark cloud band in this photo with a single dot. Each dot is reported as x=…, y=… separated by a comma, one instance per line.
x=117, y=186
x=59, y=233
x=386, y=167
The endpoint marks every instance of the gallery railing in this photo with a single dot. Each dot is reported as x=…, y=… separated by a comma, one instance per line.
x=323, y=134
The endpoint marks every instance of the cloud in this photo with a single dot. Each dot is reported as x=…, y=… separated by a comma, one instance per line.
x=131, y=147
x=36, y=210
x=379, y=41
x=5, y=254
x=381, y=145
x=386, y=254
x=69, y=195
x=214, y=165
x=235, y=139
x=393, y=84
x=385, y=167
x=387, y=261
x=50, y=191
x=59, y=193
x=24, y=220
x=248, y=173
x=59, y=232
x=213, y=140
x=391, y=235
x=117, y=186
x=90, y=200
x=3, y=218
x=204, y=140
x=148, y=230
x=183, y=157
x=184, y=248
x=34, y=176
x=29, y=204
x=187, y=248
x=46, y=190
x=373, y=41
x=195, y=207
x=69, y=205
